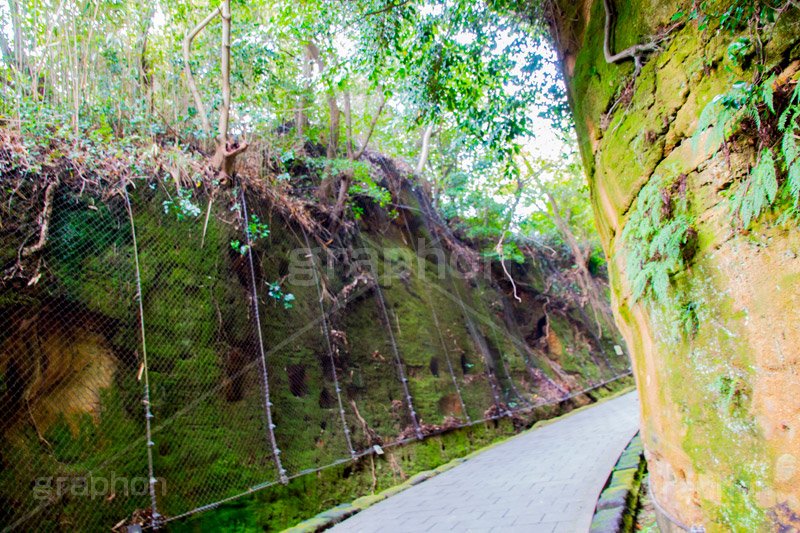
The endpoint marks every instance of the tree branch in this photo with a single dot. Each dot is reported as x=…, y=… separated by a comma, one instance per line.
x=312, y=50
x=20, y=59
x=360, y=152
x=225, y=156
x=385, y=9
x=225, y=68
x=347, y=175
x=146, y=80
x=499, y=246
x=348, y=118
x=499, y=250
x=187, y=69
x=85, y=76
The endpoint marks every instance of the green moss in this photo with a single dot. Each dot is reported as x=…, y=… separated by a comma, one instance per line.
x=210, y=435
x=278, y=507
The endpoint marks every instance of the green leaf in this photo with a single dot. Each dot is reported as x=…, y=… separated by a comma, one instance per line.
x=758, y=192
x=791, y=153
x=767, y=175
x=767, y=93
x=661, y=284
x=790, y=146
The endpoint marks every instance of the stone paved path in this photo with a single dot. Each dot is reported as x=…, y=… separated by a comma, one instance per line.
x=545, y=480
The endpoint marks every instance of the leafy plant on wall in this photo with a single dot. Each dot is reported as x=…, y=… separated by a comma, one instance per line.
x=766, y=110
x=659, y=237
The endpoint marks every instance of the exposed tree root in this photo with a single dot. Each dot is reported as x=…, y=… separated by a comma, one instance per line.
x=372, y=470
x=396, y=467
x=635, y=52
x=372, y=436
x=44, y=220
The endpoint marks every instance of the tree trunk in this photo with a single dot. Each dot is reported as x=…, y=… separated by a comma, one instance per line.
x=594, y=294
x=144, y=64
x=187, y=69
x=347, y=177
x=303, y=103
x=221, y=154
x=325, y=190
x=425, y=151
x=717, y=366
x=20, y=59
x=333, y=135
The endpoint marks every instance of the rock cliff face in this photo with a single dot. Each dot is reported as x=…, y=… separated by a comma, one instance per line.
x=381, y=338
x=717, y=354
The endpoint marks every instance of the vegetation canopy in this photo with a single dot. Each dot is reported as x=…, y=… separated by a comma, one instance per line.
x=294, y=95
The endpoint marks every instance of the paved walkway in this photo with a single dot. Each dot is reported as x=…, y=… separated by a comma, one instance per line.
x=545, y=480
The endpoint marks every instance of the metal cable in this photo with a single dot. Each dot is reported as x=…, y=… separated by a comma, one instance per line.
x=441, y=337
x=156, y=518
x=191, y=362
x=585, y=318
x=426, y=217
x=403, y=378
x=522, y=348
x=371, y=451
x=449, y=364
x=267, y=404
x=502, y=357
x=323, y=314
x=473, y=332
x=513, y=338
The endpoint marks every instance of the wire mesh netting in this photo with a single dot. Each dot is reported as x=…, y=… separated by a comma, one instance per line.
x=309, y=430
x=207, y=388
x=73, y=418
x=162, y=354
x=462, y=390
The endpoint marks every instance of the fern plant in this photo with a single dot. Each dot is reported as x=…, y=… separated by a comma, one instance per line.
x=789, y=125
x=776, y=126
x=658, y=237
x=725, y=112
x=758, y=191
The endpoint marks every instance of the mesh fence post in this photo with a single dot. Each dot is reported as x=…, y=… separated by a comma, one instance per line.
x=439, y=329
x=156, y=518
x=470, y=326
x=399, y=361
x=267, y=404
x=330, y=347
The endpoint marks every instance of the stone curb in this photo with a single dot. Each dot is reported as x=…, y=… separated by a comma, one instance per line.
x=617, y=503
x=331, y=517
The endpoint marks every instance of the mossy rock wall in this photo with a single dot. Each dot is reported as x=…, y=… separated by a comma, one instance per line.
x=720, y=408
x=209, y=315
